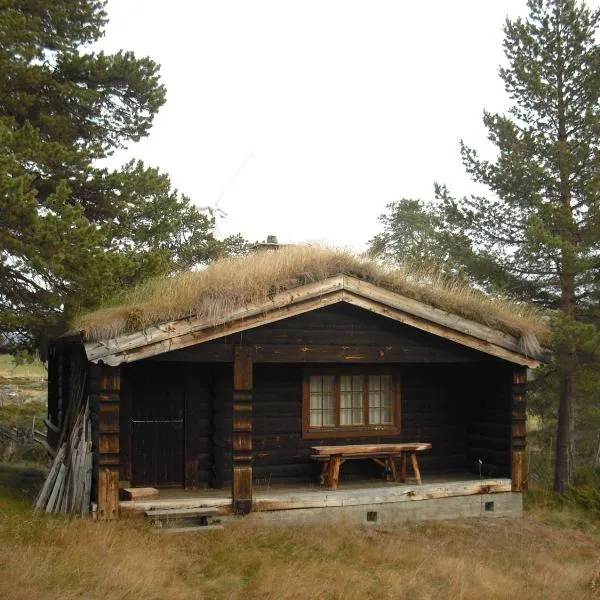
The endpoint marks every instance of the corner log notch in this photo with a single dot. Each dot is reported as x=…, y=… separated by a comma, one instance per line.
x=519, y=430
x=242, y=431
x=105, y=399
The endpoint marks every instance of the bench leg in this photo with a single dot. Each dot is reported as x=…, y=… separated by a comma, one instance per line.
x=390, y=469
x=415, y=466
x=403, y=467
x=324, y=474
x=334, y=472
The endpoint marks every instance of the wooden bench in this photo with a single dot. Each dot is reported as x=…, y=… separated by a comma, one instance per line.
x=332, y=458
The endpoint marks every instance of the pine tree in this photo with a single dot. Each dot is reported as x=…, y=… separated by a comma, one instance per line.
x=72, y=233
x=537, y=235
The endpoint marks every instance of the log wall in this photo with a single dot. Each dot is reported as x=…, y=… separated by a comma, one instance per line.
x=451, y=396
x=433, y=410
x=488, y=389
x=336, y=334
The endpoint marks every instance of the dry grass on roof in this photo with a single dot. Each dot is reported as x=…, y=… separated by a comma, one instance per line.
x=231, y=283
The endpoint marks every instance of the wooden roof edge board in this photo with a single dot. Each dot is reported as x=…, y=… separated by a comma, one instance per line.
x=430, y=313
x=443, y=331
x=156, y=333
x=192, y=338
x=218, y=331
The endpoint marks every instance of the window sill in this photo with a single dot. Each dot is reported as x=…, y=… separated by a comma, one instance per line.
x=323, y=433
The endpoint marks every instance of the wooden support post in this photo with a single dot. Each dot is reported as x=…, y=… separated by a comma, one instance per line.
x=105, y=388
x=242, y=431
x=519, y=430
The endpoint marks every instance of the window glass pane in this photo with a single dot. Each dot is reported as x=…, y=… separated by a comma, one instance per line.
x=345, y=383
x=328, y=419
x=380, y=399
x=374, y=415
x=345, y=400
x=315, y=401
x=316, y=384
x=386, y=415
x=351, y=400
x=315, y=418
x=374, y=383
x=322, y=403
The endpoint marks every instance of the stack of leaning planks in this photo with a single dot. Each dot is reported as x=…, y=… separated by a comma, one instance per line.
x=68, y=485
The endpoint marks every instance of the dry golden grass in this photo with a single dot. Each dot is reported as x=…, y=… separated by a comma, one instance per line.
x=48, y=557
x=494, y=559
x=231, y=283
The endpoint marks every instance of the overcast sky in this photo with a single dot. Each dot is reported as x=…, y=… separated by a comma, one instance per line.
x=342, y=106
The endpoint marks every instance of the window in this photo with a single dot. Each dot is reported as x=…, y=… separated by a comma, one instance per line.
x=349, y=401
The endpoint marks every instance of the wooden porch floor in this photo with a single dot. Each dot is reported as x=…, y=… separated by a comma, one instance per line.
x=351, y=493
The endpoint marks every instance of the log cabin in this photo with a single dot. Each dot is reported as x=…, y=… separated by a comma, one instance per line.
x=223, y=388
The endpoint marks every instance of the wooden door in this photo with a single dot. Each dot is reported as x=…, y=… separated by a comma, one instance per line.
x=157, y=427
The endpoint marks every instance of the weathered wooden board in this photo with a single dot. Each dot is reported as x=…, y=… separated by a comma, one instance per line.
x=519, y=465
x=380, y=496
x=141, y=493
x=105, y=385
x=371, y=448
x=242, y=430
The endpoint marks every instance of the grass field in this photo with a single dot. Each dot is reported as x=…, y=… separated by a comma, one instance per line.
x=51, y=557
x=9, y=370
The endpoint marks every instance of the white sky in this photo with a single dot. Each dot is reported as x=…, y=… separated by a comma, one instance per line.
x=346, y=105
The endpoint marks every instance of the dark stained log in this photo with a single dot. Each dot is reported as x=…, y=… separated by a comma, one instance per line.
x=242, y=431
x=337, y=334
x=125, y=425
x=519, y=430
x=489, y=419
x=105, y=386
x=488, y=469
x=307, y=353
x=197, y=433
x=497, y=457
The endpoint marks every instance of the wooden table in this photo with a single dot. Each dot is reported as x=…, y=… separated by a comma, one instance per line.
x=332, y=458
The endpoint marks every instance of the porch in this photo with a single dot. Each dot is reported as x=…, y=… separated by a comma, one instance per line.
x=449, y=496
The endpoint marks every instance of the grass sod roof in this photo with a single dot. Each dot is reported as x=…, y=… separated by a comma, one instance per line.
x=232, y=283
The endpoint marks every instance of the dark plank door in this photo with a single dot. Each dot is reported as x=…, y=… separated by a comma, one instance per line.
x=157, y=426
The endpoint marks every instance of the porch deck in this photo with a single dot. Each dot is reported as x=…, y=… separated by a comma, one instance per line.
x=350, y=494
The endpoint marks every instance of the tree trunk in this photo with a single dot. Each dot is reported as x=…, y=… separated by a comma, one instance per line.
x=565, y=443
x=564, y=469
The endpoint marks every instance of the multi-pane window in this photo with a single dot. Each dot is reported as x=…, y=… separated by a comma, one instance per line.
x=357, y=401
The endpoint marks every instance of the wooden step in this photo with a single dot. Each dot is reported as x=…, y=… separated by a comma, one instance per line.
x=182, y=513
x=193, y=529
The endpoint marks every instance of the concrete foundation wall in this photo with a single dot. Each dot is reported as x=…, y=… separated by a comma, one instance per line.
x=508, y=504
